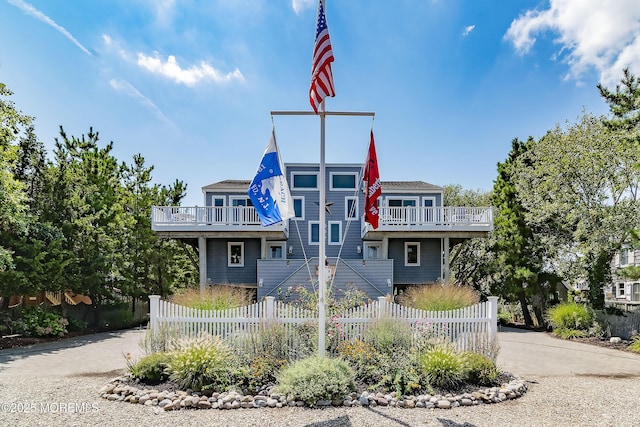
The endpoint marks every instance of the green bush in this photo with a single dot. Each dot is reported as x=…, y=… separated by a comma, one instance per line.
x=202, y=363
x=443, y=367
x=568, y=333
x=571, y=315
x=38, y=322
x=217, y=297
x=480, y=369
x=389, y=336
x=317, y=378
x=151, y=368
x=635, y=344
x=439, y=297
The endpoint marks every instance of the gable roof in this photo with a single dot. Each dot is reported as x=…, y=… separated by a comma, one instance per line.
x=241, y=185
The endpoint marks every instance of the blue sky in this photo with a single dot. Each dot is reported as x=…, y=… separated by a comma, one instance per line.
x=190, y=84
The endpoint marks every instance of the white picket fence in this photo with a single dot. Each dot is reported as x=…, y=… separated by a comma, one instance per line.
x=466, y=328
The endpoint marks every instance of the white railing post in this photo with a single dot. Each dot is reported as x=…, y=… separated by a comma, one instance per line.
x=382, y=307
x=270, y=307
x=492, y=313
x=154, y=313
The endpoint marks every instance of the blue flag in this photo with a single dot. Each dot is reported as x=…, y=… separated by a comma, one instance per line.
x=269, y=190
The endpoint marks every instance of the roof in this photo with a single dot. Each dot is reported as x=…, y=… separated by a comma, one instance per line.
x=241, y=185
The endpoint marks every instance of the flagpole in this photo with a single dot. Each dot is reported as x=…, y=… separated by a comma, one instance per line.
x=322, y=279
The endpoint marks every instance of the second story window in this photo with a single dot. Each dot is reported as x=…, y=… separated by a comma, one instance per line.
x=412, y=254
x=351, y=208
x=314, y=232
x=298, y=207
x=304, y=181
x=343, y=181
x=335, y=232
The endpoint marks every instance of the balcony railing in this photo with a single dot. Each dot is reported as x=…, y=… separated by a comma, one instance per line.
x=245, y=218
x=416, y=218
x=212, y=218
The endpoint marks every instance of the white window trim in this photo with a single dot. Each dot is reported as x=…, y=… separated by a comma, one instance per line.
x=369, y=245
x=293, y=174
x=303, y=213
x=214, y=198
x=245, y=198
x=339, y=232
x=356, y=213
x=275, y=245
x=311, y=224
x=229, y=263
x=355, y=181
x=406, y=254
x=415, y=199
x=433, y=201
x=620, y=290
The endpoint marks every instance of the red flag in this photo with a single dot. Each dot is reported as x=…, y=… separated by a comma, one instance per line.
x=321, y=74
x=373, y=188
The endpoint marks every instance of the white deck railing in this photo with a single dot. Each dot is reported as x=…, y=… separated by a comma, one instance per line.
x=391, y=218
x=469, y=329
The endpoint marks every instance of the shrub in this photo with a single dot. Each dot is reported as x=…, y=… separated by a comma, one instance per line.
x=218, y=297
x=569, y=333
x=480, y=369
x=443, y=367
x=389, y=336
x=363, y=359
x=158, y=341
x=38, y=322
x=151, y=368
x=439, y=297
x=317, y=378
x=401, y=375
x=635, y=344
x=571, y=315
x=202, y=363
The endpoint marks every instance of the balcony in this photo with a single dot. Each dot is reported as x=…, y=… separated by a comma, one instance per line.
x=174, y=221
x=462, y=221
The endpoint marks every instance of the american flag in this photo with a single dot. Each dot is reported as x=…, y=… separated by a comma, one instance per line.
x=321, y=74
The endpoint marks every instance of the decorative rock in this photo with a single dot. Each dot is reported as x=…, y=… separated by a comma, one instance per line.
x=466, y=402
x=615, y=340
x=443, y=404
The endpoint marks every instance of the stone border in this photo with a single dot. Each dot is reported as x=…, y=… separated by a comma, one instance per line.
x=120, y=389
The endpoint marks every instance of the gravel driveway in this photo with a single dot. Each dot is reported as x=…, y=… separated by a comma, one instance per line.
x=570, y=384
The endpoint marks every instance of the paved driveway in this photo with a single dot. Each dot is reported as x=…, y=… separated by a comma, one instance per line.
x=570, y=384
x=536, y=354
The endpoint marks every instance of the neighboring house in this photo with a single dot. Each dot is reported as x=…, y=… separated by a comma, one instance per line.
x=410, y=246
x=623, y=289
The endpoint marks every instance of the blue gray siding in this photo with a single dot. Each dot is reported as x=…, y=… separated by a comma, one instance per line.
x=220, y=273
x=429, y=269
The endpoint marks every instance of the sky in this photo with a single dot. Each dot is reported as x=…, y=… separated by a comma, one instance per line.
x=190, y=85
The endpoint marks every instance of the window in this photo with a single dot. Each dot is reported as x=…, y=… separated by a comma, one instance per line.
x=235, y=253
x=620, y=290
x=372, y=250
x=218, y=214
x=305, y=180
x=314, y=232
x=396, y=203
x=411, y=254
x=343, y=181
x=240, y=215
x=350, y=208
x=335, y=232
x=218, y=201
x=298, y=207
x=624, y=256
x=275, y=250
x=429, y=203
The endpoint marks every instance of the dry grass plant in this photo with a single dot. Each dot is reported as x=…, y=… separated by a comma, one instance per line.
x=439, y=297
x=216, y=297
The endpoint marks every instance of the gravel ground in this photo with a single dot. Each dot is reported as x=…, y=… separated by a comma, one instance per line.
x=57, y=386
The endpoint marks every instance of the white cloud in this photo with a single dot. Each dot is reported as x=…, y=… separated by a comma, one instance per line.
x=189, y=76
x=590, y=34
x=468, y=30
x=30, y=10
x=300, y=5
x=127, y=88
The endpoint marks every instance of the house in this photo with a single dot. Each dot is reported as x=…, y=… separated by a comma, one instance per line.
x=410, y=246
x=624, y=289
